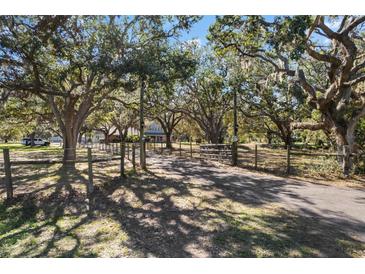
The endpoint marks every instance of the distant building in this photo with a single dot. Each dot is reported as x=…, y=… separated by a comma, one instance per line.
x=154, y=132
x=56, y=139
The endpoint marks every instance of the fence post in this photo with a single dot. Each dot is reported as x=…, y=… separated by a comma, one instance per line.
x=145, y=155
x=191, y=149
x=90, y=186
x=154, y=145
x=8, y=179
x=122, y=155
x=234, y=152
x=128, y=151
x=288, y=159
x=255, y=156
x=180, y=148
x=161, y=147
x=134, y=157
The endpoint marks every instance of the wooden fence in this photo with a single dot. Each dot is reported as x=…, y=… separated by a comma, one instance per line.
x=116, y=151
x=216, y=152
x=287, y=161
x=257, y=157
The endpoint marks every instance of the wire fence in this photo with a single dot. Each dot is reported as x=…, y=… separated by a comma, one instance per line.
x=277, y=160
x=18, y=164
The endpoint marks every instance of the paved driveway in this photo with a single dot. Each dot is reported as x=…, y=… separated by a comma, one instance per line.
x=338, y=206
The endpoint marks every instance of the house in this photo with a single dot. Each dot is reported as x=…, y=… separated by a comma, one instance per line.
x=154, y=132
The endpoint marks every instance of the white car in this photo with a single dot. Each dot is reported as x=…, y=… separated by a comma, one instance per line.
x=37, y=142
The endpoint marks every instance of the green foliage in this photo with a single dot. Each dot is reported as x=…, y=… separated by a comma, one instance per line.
x=360, y=134
x=75, y=63
x=206, y=95
x=132, y=138
x=251, y=34
x=16, y=120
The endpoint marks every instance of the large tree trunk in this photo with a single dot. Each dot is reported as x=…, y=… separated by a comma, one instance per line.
x=344, y=138
x=70, y=142
x=345, y=145
x=31, y=136
x=106, y=138
x=287, y=139
x=213, y=137
x=168, y=140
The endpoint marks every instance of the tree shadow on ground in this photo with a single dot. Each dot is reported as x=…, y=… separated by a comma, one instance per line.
x=153, y=215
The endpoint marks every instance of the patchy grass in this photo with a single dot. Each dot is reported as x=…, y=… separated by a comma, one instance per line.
x=23, y=148
x=316, y=169
x=276, y=232
x=149, y=214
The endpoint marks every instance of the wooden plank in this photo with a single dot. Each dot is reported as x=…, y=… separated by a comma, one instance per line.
x=8, y=179
x=288, y=160
x=90, y=186
x=134, y=157
x=122, y=156
x=255, y=156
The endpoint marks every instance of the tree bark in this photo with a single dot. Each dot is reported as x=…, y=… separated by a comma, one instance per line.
x=70, y=121
x=80, y=137
x=213, y=138
x=106, y=138
x=70, y=142
x=31, y=136
x=168, y=140
x=345, y=145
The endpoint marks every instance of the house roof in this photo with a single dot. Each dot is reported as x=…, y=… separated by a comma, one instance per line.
x=154, y=133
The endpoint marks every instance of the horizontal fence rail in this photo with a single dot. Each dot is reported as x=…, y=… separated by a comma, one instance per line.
x=278, y=160
x=114, y=152
x=291, y=161
x=218, y=152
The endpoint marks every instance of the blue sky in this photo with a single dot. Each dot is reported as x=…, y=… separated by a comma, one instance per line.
x=200, y=30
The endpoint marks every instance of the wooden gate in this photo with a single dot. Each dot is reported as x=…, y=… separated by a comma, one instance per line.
x=216, y=152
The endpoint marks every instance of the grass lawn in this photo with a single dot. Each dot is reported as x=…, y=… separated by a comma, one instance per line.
x=20, y=152
x=23, y=148
x=151, y=215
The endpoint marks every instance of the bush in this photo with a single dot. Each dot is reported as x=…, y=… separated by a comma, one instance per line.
x=132, y=138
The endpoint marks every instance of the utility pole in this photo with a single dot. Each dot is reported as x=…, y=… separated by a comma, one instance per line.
x=142, y=155
x=235, y=130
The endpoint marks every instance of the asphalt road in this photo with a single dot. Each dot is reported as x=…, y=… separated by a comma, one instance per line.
x=339, y=206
